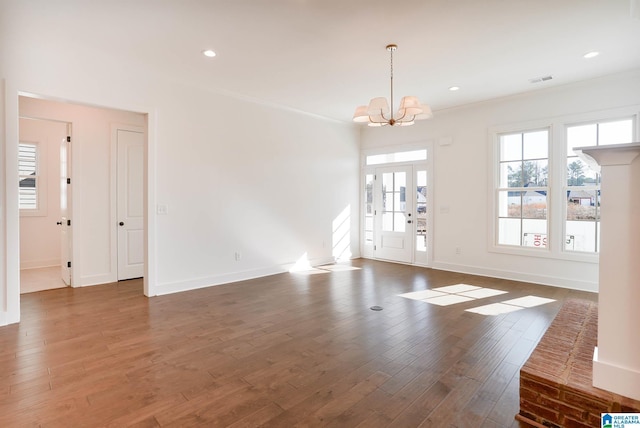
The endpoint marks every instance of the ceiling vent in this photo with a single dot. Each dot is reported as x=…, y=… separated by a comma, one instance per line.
x=540, y=79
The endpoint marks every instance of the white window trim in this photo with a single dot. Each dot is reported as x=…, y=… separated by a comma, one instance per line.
x=41, y=185
x=556, y=209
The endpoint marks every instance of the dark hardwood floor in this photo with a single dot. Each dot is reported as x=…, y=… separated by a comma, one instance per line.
x=282, y=351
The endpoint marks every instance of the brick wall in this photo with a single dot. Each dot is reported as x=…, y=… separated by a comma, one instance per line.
x=556, y=381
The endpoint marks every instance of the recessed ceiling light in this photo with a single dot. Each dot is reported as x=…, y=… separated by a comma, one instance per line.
x=454, y=88
x=209, y=53
x=592, y=54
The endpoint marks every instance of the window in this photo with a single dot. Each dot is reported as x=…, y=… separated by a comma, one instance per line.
x=522, y=192
x=29, y=176
x=409, y=156
x=582, y=221
x=545, y=199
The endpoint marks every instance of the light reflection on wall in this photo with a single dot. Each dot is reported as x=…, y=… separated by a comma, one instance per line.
x=342, y=235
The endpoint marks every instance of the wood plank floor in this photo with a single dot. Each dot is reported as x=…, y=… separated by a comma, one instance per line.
x=282, y=351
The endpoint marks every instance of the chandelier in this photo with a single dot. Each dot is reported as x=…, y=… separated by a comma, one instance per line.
x=378, y=113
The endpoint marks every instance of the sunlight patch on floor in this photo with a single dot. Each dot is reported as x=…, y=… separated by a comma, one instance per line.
x=460, y=293
x=458, y=288
x=494, y=309
x=449, y=299
x=452, y=294
x=510, y=305
x=529, y=301
x=309, y=271
x=481, y=293
x=422, y=295
x=303, y=266
x=336, y=268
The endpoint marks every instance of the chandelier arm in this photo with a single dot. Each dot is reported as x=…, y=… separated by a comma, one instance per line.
x=386, y=120
x=401, y=119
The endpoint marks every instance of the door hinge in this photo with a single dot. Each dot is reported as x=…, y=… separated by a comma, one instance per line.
x=68, y=180
x=68, y=264
x=68, y=222
x=68, y=138
x=374, y=248
x=375, y=212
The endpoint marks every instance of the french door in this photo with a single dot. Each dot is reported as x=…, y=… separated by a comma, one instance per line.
x=393, y=216
x=396, y=214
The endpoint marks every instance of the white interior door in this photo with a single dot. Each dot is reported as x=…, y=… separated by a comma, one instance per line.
x=394, y=218
x=65, y=208
x=130, y=205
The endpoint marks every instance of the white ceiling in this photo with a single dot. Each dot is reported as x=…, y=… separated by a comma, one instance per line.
x=325, y=57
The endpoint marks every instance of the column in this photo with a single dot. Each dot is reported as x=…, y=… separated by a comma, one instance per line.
x=616, y=359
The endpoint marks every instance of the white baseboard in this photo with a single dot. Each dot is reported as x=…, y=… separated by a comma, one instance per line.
x=619, y=380
x=519, y=276
x=194, y=284
x=210, y=281
x=87, y=281
x=7, y=318
x=35, y=264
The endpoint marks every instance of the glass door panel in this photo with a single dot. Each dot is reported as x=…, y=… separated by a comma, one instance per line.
x=421, y=211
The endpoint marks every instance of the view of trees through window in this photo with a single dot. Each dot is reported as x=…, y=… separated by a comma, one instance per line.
x=522, y=193
x=527, y=174
x=582, y=223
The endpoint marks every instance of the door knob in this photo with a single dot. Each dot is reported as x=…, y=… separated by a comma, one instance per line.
x=121, y=223
x=409, y=221
x=59, y=223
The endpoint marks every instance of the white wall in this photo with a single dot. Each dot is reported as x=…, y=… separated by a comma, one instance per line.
x=462, y=175
x=267, y=183
x=235, y=175
x=39, y=234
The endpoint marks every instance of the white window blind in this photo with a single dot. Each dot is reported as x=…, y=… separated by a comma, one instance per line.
x=29, y=180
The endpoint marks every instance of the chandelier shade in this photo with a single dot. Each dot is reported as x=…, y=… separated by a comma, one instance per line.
x=378, y=112
x=377, y=106
x=361, y=115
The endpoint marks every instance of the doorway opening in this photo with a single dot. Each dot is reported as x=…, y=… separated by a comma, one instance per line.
x=43, y=167
x=91, y=209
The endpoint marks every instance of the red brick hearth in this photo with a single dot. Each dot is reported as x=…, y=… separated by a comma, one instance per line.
x=555, y=383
